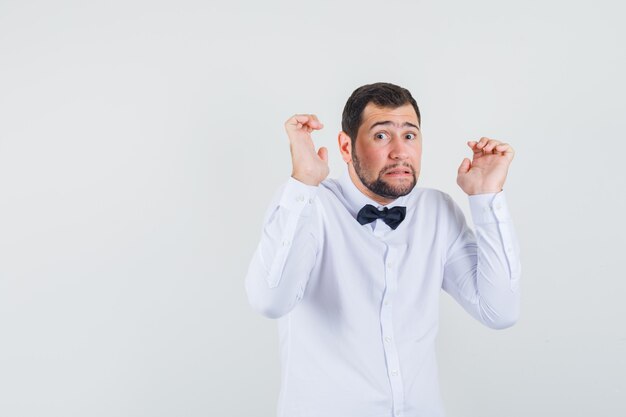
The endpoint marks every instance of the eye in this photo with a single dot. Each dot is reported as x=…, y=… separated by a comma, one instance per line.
x=410, y=136
x=381, y=136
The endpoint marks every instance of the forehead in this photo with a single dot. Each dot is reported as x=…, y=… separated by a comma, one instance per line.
x=373, y=114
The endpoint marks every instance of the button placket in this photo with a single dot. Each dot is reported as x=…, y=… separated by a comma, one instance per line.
x=389, y=347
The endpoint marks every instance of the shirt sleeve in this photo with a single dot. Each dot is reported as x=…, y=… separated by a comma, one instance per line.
x=285, y=256
x=482, y=270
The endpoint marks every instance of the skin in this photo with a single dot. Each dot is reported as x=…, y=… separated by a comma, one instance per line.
x=387, y=155
x=388, y=151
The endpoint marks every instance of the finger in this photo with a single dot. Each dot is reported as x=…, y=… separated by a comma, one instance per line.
x=299, y=120
x=465, y=166
x=505, y=148
x=489, y=147
x=472, y=145
x=316, y=121
x=323, y=153
x=482, y=142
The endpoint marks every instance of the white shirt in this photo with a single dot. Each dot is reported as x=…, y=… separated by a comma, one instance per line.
x=358, y=305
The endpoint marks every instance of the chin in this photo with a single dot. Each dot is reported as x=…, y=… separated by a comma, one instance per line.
x=403, y=183
x=395, y=191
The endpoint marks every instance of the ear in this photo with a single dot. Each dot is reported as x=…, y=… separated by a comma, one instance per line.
x=345, y=146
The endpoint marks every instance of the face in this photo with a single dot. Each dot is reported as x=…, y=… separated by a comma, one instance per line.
x=384, y=162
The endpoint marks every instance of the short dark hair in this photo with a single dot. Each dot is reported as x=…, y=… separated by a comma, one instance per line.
x=382, y=95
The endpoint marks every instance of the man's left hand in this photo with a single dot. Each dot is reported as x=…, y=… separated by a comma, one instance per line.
x=486, y=172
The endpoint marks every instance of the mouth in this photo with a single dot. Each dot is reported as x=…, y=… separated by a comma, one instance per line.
x=399, y=172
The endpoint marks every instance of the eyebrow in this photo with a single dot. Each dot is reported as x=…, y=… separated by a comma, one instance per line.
x=389, y=122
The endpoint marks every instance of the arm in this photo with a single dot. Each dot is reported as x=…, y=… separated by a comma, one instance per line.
x=482, y=271
x=286, y=254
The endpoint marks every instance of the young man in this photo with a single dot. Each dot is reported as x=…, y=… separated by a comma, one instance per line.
x=353, y=267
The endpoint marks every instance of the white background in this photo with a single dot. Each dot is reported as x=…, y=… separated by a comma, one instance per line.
x=141, y=141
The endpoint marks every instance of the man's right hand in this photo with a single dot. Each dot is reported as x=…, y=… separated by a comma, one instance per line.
x=309, y=167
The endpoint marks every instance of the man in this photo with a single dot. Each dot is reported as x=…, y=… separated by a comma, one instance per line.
x=353, y=267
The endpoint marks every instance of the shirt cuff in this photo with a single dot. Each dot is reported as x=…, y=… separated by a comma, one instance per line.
x=296, y=195
x=489, y=208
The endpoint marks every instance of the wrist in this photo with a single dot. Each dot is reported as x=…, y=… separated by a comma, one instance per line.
x=306, y=179
x=483, y=191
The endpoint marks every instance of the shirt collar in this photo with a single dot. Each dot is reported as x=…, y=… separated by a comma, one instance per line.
x=355, y=199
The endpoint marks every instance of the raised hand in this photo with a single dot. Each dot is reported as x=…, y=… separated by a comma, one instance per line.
x=309, y=167
x=487, y=171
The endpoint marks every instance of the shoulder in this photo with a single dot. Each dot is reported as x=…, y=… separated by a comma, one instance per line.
x=330, y=189
x=431, y=195
x=434, y=208
x=433, y=201
x=330, y=184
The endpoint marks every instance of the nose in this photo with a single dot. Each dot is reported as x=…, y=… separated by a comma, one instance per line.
x=398, y=149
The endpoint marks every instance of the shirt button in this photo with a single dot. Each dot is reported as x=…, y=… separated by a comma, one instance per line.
x=285, y=242
x=387, y=339
x=389, y=265
x=394, y=372
x=509, y=249
x=386, y=303
x=497, y=206
x=300, y=198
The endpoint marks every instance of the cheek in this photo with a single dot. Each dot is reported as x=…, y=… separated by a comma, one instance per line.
x=373, y=161
x=418, y=153
x=364, y=155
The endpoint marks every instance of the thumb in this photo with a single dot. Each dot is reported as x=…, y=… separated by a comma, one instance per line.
x=323, y=154
x=465, y=166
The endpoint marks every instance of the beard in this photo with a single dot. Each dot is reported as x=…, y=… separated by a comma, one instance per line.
x=379, y=185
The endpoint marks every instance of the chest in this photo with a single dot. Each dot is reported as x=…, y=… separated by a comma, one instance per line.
x=358, y=268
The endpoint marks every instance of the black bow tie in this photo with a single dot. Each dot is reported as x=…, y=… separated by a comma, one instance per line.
x=392, y=216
